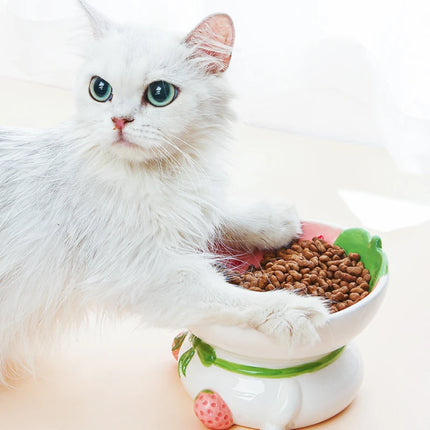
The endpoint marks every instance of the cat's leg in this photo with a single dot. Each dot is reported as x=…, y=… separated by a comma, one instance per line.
x=263, y=225
x=196, y=293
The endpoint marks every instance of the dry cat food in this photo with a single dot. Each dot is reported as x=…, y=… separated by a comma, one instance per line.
x=309, y=267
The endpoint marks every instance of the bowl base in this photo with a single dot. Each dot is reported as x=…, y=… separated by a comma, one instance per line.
x=277, y=403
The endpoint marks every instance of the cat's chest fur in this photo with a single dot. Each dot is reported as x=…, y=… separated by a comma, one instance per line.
x=77, y=220
x=143, y=207
x=139, y=216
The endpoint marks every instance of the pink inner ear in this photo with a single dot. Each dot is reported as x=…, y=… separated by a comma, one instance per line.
x=222, y=28
x=209, y=34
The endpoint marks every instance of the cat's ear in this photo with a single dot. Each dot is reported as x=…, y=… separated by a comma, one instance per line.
x=99, y=23
x=212, y=41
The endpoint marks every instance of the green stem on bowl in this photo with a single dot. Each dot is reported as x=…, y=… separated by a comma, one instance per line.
x=207, y=356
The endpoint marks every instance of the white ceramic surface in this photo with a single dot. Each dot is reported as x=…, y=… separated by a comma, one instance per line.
x=279, y=404
x=341, y=328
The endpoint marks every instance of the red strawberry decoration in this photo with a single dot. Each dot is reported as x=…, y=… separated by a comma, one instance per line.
x=212, y=411
x=177, y=343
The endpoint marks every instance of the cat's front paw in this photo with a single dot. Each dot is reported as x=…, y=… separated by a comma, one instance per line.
x=277, y=225
x=292, y=319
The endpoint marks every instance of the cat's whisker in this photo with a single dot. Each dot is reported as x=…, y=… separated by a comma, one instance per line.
x=180, y=169
x=182, y=141
x=187, y=157
x=177, y=148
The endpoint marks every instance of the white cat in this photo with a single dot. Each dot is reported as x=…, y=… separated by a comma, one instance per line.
x=117, y=207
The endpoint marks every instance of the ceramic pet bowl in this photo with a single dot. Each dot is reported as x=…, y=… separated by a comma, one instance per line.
x=240, y=376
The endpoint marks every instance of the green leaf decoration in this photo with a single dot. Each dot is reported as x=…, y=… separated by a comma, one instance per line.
x=205, y=352
x=184, y=361
x=179, y=340
x=208, y=357
x=369, y=247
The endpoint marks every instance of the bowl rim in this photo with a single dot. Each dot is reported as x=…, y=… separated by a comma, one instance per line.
x=378, y=288
x=339, y=329
x=376, y=291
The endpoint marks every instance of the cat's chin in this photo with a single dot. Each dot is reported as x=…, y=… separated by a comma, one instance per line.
x=132, y=152
x=124, y=143
x=146, y=152
x=129, y=151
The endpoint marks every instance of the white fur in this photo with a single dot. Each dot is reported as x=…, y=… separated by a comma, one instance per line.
x=85, y=222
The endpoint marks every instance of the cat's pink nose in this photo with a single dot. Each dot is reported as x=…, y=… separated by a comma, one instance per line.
x=121, y=122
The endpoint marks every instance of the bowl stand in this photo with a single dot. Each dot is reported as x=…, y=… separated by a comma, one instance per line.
x=240, y=376
x=271, y=395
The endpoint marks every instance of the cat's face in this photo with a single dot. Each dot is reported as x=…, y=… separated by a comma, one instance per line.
x=144, y=95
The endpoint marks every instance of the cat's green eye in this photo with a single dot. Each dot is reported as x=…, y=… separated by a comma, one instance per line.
x=100, y=90
x=161, y=93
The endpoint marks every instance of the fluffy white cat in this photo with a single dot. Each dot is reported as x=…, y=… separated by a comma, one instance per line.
x=117, y=208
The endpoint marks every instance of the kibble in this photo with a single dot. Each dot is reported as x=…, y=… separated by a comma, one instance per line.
x=309, y=267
